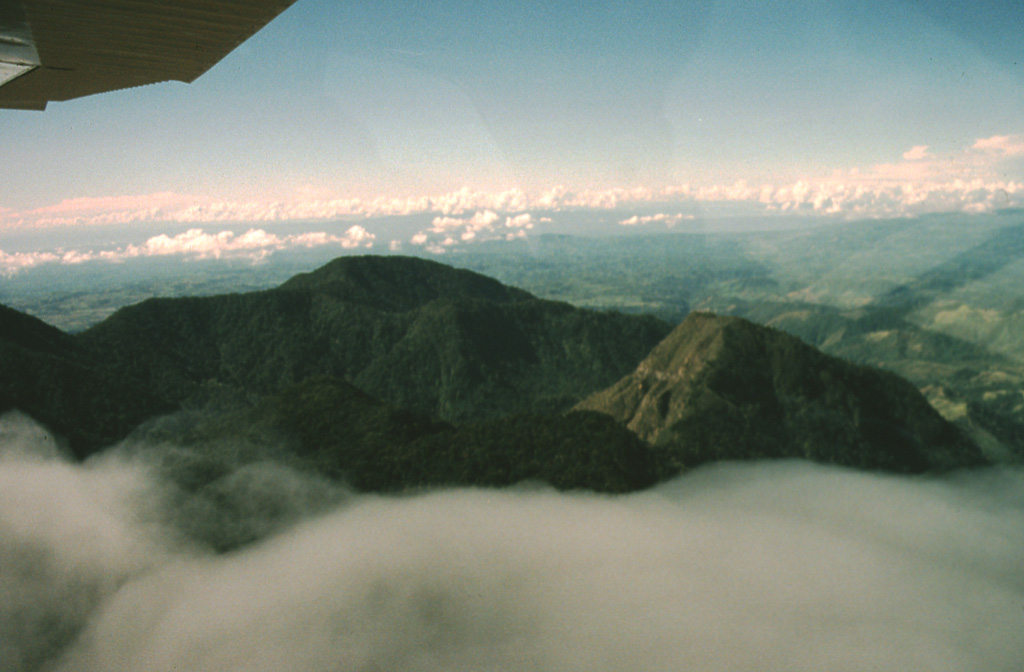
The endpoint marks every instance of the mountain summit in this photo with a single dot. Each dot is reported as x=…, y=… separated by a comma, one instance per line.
x=399, y=283
x=725, y=388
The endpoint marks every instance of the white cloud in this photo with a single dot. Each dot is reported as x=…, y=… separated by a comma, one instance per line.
x=254, y=244
x=916, y=153
x=923, y=181
x=355, y=236
x=737, y=191
x=856, y=199
x=484, y=220
x=1006, y=145
x=442, y=224
x=523, y=221
x=446, y=231
x=14, y=262
x=668, y=220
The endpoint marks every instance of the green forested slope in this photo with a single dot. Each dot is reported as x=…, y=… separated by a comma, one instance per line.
x=417, y=334
x=725, y=388
x=44, y=373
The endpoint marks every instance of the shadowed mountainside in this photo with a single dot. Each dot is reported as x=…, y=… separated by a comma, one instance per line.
x=375, y=447
x=446, y=343
x=417, y=334
x=328, y=428
x=44, y=373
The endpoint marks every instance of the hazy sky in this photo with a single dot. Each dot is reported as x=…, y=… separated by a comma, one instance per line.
x=841, y=108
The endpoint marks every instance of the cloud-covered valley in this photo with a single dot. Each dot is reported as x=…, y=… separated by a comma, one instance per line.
x=770, y=566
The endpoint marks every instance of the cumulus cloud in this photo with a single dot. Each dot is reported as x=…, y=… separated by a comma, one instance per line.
x=177, y=208
x=854, y=198
x=523, y=221
x=17, y=261
x=1008, y=145
x=485, y=219
x=668, y=220
x=924, y=181
x=916, y=153
x=446, y=231
x=122, y=209
x=254, y=244
x=442, y=224
x=768, y=566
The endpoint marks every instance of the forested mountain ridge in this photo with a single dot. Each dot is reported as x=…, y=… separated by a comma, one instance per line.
x=448, y=343
x=396, y=372
x=19, y=329
x=420, y=335
x=45, y=373
x=332, y=428
x=725, y=388
x=398, y=284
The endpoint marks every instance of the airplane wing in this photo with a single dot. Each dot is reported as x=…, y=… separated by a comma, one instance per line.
x=64, y=49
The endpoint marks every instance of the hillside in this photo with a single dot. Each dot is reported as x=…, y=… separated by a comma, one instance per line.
x=725, y=388
x=448, y=343
x=392, y=372
x=44, y=373
x=218, y=457
x=347, y=434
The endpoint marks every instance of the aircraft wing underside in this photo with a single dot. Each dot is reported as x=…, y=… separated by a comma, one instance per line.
x=64, y=49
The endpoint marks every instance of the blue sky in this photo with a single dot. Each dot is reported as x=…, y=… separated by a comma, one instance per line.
x=362, y=109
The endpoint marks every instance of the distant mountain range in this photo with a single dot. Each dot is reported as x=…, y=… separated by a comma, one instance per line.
x=397, y=372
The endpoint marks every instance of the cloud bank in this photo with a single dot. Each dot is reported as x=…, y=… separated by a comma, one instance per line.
x=986, y=175
x=254, y=245
x=666, y=219
x=974, y=181
x=768, y=566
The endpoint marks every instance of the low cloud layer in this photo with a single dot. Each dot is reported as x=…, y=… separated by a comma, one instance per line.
x=254, y=245
x=660, y=218
x=984, y=176
x=768, y=566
